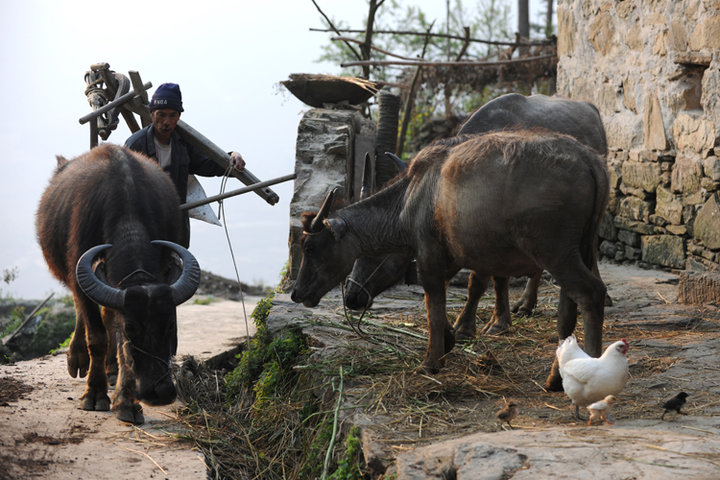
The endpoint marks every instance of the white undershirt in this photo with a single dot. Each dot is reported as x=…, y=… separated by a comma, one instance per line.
x=163, y=153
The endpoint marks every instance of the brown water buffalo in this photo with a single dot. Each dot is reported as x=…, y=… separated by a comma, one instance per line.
x=108, y=225
x=372, y=275
x=457, y=206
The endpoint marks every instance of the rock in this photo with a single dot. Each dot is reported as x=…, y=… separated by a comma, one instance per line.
x=602, y=32
x=668, y=206
x=635, y=208
x=666, y=250
x=654, y=129
x=460, y=459
x=686, y=174
x=711, y=168
x=629, y=238
x=706, y=228
x=693, y=133
x=706, y=35
x=645, y=176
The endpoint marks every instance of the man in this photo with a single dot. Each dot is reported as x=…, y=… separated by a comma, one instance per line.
x=162, y=143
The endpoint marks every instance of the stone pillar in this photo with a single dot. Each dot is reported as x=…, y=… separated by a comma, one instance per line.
x=324, y=159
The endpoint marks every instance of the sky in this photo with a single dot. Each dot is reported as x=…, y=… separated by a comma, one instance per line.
x=227, y=56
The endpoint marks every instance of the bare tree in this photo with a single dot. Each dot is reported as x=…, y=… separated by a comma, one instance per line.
x=523, y=24
x=549, y=18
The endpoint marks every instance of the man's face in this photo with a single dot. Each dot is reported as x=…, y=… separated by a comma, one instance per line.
x=164, y=121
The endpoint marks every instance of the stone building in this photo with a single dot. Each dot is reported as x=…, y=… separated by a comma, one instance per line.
x=653, y=70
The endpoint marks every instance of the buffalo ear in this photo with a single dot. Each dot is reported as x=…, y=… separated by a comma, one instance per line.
x=337, y=226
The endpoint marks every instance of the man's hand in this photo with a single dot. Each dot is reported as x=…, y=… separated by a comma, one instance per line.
x=236, y=161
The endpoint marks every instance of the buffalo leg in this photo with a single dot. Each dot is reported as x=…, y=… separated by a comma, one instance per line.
x=124, y=404
x=111, y=363
x=528, y=301
x=441, y=338
x=579, y=287
x=78, y=360
x=501, y=319
x=465, y=324
x=95, y=396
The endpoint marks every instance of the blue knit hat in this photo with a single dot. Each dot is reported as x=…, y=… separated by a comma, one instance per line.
x=167, y=95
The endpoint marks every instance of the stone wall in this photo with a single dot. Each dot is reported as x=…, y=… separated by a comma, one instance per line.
x=653, y=70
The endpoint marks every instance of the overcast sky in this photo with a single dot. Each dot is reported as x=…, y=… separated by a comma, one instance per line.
x=227, y=56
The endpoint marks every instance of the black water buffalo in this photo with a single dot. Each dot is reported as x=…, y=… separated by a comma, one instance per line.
x=372, y=275
x=457, y=206
x=108, y=224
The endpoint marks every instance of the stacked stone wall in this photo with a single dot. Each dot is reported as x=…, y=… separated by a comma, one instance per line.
x=653, y=70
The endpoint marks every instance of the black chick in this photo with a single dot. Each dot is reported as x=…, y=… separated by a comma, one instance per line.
x=507, y=413
x=675, y=403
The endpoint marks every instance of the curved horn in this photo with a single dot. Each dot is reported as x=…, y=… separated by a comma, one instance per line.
x=97, y=290
x=366, y=188
x=317, y=222
x=186, y=285
x=398, y=161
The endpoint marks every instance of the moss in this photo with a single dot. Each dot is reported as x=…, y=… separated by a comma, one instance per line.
x=349, y=466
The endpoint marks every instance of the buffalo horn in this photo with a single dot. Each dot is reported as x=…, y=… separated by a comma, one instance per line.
x=98, y=291
x=317, y=222
x=186, y=285
x=398, y=161
x=366, y=188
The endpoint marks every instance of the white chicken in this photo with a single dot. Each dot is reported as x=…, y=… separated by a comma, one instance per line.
x=586, y=379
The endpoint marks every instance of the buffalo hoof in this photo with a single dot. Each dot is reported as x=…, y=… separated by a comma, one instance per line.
x=78, y=359
x=130, y=413
x=429, y=367
x=95, y=401
x=463, y=335
x=523, y=310
x=495, y=328
x=608, y=300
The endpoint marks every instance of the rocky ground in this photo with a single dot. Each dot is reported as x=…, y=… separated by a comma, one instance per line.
x=417, y=426
x=444, y=426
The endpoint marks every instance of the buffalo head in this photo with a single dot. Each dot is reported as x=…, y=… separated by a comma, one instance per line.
x=143, y=307
x=328, y=255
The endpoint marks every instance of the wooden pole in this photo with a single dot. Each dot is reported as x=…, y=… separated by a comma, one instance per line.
x=239, y=191
x=222, y=158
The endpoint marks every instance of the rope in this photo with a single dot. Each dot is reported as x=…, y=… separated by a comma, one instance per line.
x=221, y=214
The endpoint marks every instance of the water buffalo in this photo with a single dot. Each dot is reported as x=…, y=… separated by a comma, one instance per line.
x=457, y=206
x=108, y=225
x=372, y=275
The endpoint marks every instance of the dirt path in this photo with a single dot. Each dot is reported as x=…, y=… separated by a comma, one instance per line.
x=44, y=434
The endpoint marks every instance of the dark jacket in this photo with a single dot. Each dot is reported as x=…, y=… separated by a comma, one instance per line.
x=184, y=161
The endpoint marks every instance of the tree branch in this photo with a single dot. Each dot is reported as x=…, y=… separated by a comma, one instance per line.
x=423, y=63
x=440, y=35
x=334, y=29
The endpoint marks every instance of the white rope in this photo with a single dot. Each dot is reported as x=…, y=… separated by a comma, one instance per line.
x=221, y=215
